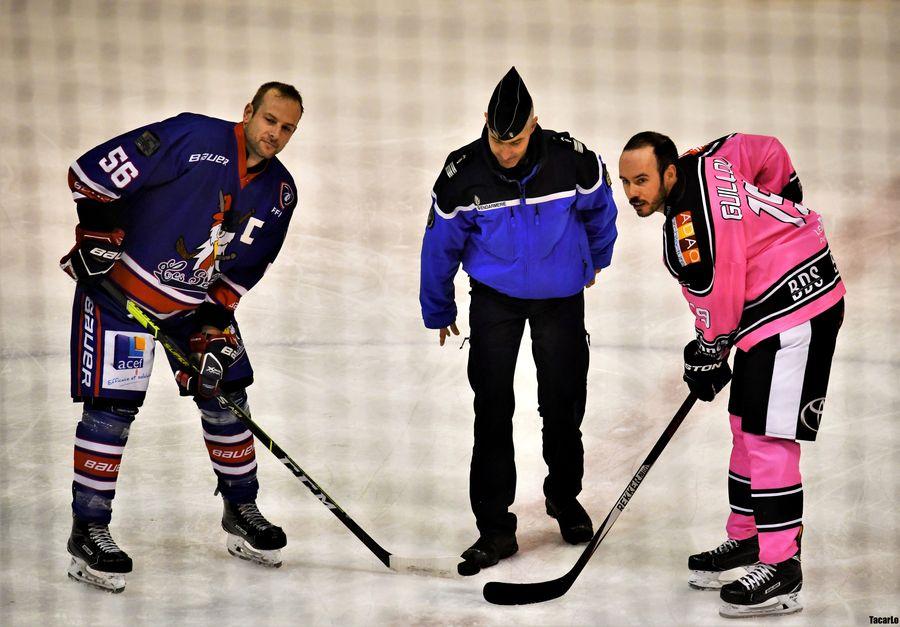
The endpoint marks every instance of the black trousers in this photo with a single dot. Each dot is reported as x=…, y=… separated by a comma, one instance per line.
x=560, y=350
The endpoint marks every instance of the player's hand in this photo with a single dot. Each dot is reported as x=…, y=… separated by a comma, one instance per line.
x=705, y=375
x=93, y=254
x=445, y=332
x=213, y=353
x=594, y=280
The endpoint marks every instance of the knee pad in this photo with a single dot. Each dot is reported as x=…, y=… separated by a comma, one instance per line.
x=108, y=418
x=214, y=413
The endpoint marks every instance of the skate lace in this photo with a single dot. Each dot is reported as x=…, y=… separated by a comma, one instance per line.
x=725, y=546
x=250, y=513
x=99, y=534
x=758, y=575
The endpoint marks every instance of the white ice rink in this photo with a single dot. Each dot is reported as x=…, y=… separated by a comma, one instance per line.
x=352, y=385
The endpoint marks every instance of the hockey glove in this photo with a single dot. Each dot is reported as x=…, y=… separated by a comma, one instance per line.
x=93, y=255
x=213, y=354
x=704, y=374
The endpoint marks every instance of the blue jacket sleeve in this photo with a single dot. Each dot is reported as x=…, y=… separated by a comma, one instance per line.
x=442, y=249
x=595, y=204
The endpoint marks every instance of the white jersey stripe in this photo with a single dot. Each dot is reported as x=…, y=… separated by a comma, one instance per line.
x=99, y=448
x=235, y=470
x=775, y=525
x=152, y=280
x=226, y=439
x=95, y=483
x=97, y=187
x=777, y=493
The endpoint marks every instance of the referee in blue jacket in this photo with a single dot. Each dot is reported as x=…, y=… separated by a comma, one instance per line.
x=530, y=215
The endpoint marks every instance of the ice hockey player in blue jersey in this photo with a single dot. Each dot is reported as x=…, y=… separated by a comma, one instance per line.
x=184, y=216
x=530, y=216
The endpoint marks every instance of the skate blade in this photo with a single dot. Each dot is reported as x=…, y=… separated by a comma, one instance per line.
x=783, y=604
x=714, y=580
x=108, y=582
x=238, y=547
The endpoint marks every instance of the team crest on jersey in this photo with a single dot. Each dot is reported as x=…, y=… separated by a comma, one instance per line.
x=197, y=268
x=688, y=250
x=286, y=195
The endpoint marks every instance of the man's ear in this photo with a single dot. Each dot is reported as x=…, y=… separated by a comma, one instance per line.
x=248, y=112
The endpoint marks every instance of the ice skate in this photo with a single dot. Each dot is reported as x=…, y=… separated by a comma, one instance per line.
x=710, y=570
x=767, y=589
x=96, y=559
x=250, y=536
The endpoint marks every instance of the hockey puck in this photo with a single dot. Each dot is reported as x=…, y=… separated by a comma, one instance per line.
x=467, y=569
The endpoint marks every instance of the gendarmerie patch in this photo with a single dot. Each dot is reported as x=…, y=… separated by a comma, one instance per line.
x=148, y=143
x=606, y=176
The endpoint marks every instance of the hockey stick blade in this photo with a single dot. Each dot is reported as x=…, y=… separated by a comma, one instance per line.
x=506, y=593
x=432, y=567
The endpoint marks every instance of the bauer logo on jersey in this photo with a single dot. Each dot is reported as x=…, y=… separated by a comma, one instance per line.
x=127, y=360
x=129, y=352
x=286, y=196
x=688, y=251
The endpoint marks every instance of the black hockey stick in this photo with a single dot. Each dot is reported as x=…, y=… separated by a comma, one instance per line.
x=502, y=593
x=445, y=567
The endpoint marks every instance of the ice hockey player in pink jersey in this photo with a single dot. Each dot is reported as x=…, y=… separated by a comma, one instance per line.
x=757, y=272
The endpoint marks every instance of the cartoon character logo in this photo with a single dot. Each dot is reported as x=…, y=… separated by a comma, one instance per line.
x=204, y=259
x=207, y=255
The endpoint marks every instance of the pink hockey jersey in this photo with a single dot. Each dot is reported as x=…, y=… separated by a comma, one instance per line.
x=752, y=263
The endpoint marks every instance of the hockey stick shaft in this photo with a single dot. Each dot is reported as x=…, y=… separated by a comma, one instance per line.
x=504, y=593
x=151, y=324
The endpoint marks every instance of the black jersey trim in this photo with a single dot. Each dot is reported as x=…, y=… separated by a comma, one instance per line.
x=780, y=299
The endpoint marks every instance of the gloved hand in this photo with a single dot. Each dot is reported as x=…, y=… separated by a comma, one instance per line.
x=213, y=353
x=93, y=255
x=704, y=374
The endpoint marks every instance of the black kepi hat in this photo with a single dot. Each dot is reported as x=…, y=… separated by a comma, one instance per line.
x=510, y=106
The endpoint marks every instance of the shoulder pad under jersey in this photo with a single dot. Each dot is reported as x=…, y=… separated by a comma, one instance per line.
x=709, y=149
x=565, y=139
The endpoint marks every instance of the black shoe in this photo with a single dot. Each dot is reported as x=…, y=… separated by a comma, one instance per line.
x=574, y=523
x=765, y=589
x=488, y=550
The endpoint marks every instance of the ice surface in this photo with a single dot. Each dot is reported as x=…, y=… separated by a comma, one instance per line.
x=352, y=386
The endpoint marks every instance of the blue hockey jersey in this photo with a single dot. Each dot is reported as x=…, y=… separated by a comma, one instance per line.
x=541, y=236
x=198, y=226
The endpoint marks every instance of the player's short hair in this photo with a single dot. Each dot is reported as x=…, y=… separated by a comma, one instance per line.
x=663, y=148
x=284, y=90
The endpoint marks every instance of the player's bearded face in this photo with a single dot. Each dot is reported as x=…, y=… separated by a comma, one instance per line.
x=644, y=187
x=268, y=129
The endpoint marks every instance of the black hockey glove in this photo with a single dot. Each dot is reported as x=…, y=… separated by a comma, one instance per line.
x=93, y=255
x=213, y=354
x=704, y=374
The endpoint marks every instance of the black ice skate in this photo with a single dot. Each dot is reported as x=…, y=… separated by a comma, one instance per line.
x=710, y=570
x=767, y=589
x=487, y=551
x=574, y=523
x=96, y=559
x=250, y=536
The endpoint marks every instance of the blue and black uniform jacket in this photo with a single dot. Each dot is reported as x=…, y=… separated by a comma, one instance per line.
x=541, y=235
